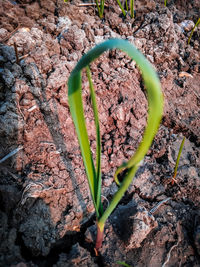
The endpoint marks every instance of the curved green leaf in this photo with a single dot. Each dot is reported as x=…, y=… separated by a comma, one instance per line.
x=155, y=101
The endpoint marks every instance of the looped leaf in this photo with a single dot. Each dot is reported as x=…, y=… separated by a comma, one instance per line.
x=155, y=101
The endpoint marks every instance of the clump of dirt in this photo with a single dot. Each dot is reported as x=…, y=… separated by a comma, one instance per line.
x=47, y=216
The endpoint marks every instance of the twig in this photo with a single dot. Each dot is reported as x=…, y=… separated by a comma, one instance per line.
x=9, y=35
x=18, y=25
x=185, y=74
x=108, y=203
x=90, y=4
x=18, y=106
x=16, y=53
x=177, y=160
x=96, y=252
x=13, y=175
x=11, y=154
x=33, y=194
x=23, y=199
x=32, y=108
x=24, y=56
x=153, y=210
x=169, y=254
x=20, y=58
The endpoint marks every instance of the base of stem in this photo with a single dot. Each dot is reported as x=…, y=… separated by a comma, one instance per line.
x=99, y=238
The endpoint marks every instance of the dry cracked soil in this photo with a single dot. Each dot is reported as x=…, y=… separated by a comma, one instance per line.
x=46, y=213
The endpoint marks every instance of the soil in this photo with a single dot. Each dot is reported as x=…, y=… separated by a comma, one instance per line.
x=47, y=216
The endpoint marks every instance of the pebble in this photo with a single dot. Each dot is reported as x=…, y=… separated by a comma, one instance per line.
x=169, y=213
x=187, y=25
x=7, y=77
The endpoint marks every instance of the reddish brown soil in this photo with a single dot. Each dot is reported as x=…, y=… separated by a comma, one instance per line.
x=46, y=213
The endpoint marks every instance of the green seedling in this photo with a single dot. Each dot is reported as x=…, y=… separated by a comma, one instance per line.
x=100, y=7
x=123, y=263
x=126, y=3
x=177, y=161
x=121, y=7
x=195, y=26
x=165, y=3
x=132, y=8
x=93, y=171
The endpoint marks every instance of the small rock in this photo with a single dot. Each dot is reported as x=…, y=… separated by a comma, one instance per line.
x=187, y=25
x=133, y=223
x=90, y=234
x=78, y=256
x=3, y=109
x=107, y=182
x=7, y=77
x=3, y=33
x=63, y=23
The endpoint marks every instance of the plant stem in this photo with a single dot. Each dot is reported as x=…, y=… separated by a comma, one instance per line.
x=102, y=7
x=178, y=159
x=98, y=7
x=99, y=239
x=132, y=8
x=118, y=195
x=196, y=25
x=98, y=142
x=16, y=53
x=126, y=3
x=121, y=7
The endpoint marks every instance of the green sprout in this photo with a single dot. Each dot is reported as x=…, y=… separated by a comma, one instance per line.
x=127, y=8
x=165, y=2
x=93, y=171
x=100, y=7
x=123, y=263
x=177, y=160
x=195, y=26
x=121, y=7
x=132, y=8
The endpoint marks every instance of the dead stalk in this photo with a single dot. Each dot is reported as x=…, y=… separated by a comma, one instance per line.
x=153, y=210
x=20, y=58
x=89, y=4
x=9, y=35
x=169, y=254
x=16, y=53
x=12, y=153
x=19, y=109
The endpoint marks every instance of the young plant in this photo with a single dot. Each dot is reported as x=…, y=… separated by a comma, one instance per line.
x=165, y=3
x=123, y=263
x=100, y=7
x=127, y=8
x=121, y=7
x=177, y=160
x=93, y=171
x=132, y=8
x=195, y=26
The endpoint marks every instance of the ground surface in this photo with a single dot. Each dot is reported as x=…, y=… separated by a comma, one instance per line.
x=47, y=217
